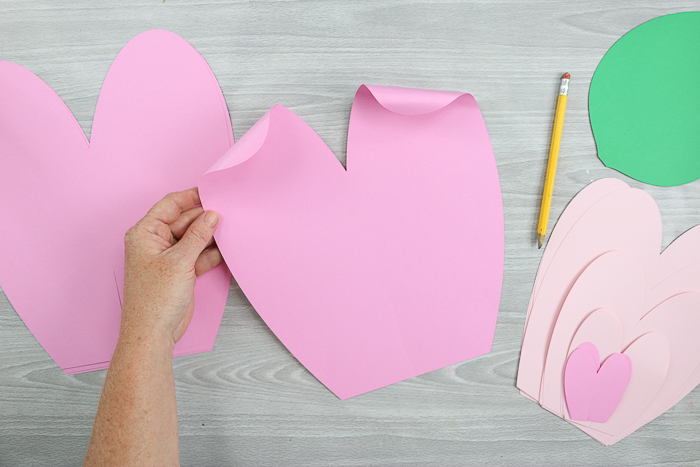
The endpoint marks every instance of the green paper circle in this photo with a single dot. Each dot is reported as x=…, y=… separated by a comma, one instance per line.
x=644, y=102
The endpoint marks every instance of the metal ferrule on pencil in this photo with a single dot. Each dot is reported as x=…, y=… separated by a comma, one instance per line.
x=564, y=87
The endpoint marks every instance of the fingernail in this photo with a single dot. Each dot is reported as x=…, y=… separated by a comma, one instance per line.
x=211, y=218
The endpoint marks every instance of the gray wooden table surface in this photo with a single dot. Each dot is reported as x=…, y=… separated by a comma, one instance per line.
x=249, y=402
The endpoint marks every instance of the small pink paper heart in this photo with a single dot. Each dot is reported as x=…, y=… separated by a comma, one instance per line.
x=594, y=391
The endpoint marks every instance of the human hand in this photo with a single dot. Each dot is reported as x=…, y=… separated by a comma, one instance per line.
x=165, y=252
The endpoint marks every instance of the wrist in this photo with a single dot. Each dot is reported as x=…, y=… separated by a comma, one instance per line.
x=144, y=336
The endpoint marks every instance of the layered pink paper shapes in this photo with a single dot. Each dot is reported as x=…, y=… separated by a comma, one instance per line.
x=65, y=203
x=381, y=272
x=602, y=281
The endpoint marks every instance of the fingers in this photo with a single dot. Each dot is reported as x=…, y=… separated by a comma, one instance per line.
x=174, y=232
x=210, y=258
x=197, y=236
x=159, y=229
x=179, y=226
x=169, y=208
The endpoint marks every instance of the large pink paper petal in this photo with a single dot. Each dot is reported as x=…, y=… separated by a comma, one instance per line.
x=379, y=273
x=160, y=122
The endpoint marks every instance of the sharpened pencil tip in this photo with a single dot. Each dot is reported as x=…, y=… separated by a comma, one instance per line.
x=540, y=240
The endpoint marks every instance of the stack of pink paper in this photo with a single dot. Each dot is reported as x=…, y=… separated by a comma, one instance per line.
x=611, y=334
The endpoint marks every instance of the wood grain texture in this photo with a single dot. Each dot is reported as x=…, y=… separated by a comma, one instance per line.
x=249, y=402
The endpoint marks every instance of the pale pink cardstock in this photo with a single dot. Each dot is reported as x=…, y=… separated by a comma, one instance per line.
x=583, y=201
x=381, y=272
x=161, y=121
x=629, y=299
x=614, y=285
x=574, y=210
x=624, y=219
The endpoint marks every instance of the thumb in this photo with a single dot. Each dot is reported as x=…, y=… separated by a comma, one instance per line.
x=198, y=235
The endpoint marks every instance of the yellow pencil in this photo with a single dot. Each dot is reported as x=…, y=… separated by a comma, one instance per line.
x=553, y=156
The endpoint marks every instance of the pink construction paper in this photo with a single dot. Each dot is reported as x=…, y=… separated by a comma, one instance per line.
x=629, y=300
x=594, y=391
x=160, y=123
x=381, y=272
x=626, y=219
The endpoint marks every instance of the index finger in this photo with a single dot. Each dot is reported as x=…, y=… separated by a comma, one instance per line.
x=169, y=208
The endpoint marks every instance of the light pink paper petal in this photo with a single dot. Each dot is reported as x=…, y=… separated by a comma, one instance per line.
x=623, y=220
x=580, y=203
x=683, y=252
x=160, y=122
x=586, y=198
x=679, y=319
x=614, y=280
x=382, y=272
x=687, y=279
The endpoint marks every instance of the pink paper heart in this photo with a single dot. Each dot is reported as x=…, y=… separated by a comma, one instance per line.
x=160, y=122
x=606, y=283
x=594, y=391
x=651, y=357
x=382, y=272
